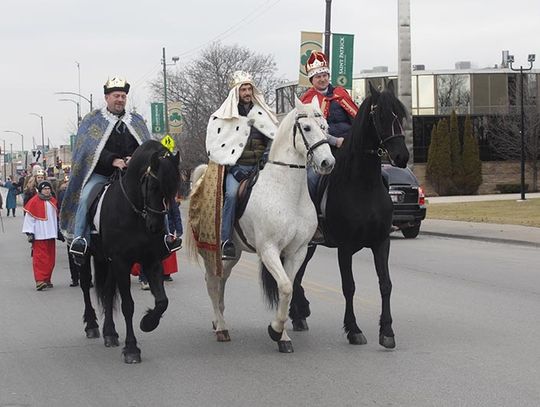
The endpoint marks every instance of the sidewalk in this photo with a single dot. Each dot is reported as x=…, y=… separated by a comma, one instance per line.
x=491, y=232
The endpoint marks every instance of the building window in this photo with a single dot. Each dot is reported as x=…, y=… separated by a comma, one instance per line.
x=453, y=93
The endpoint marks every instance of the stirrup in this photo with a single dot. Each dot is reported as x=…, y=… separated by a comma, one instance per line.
x=228, y=250
x=172, y=243
x=75, y=249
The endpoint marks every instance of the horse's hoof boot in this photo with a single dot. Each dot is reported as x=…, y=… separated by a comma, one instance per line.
x=274, y=335
x=285, y=347
x=300, y=325
x=356, y=338
x=111, y=341
x=387, y=341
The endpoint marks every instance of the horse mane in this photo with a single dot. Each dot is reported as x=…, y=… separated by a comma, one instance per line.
x=166, y=174
x=387, y=101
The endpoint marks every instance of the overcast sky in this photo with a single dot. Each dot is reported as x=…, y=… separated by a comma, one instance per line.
x=41, y=41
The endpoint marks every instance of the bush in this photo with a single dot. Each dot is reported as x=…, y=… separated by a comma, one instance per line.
x=510, y=188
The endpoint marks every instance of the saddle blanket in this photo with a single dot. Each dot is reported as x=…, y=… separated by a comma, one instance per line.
x=206, y=203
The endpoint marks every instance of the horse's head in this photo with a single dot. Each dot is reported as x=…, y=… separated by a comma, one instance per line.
x=310, y=137
x=386, y=115
x=159, y=177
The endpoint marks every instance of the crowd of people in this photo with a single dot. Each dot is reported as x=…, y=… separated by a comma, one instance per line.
x=106, y=141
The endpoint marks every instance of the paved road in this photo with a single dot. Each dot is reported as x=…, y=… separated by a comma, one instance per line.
x=464, y=313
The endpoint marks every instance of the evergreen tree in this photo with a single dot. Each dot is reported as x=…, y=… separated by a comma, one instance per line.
x=455, y=156
x=472, y=166
x=439, y=169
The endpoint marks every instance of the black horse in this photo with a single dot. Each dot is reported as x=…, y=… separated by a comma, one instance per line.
x=359, y=209
x=131, y=230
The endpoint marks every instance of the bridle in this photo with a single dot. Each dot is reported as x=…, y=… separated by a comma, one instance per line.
x=146, y=208
x=382, y=149
x=310, y=149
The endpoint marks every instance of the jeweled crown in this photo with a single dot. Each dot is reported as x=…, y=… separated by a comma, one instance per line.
x=316, y=63
x=240, y=77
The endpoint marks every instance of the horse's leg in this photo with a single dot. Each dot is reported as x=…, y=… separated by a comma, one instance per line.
x=354, y=334
x=276, y=329
x=215, y=286
x=121, y=270
x=89, y=317
x=380, y=255
x=154, y=274
x=106, y=281
x=299, y=309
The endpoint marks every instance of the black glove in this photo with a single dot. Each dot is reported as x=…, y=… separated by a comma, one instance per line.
x=60, y=236
x=30, y=237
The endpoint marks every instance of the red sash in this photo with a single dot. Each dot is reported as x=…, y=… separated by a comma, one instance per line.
x=340, y=95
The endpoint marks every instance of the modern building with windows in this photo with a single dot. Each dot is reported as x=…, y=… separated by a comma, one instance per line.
x=483, y=94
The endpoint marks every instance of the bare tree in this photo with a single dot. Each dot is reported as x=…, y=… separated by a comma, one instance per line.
x=202, y=86
x=453, y=93
x=505, y=138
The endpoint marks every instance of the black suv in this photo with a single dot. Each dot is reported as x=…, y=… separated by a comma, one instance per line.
x=408, y=198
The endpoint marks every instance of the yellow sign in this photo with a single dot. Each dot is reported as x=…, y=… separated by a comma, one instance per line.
x=168, y=143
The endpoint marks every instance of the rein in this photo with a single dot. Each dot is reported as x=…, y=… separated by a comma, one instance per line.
x=382, y=150
x=146, y=208
x=309, y=148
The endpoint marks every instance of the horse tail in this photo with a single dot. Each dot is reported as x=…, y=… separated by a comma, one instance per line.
x=101, y=281
x=270, y=288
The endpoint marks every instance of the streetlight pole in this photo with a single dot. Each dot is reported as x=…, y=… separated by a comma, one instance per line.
x=89, y=100
x=22, y=143
x=165, y=108
x=11, y=158
x=43, y=160
x=327, y=31
x=530, y=59
x=79, y=118
x=4, y=151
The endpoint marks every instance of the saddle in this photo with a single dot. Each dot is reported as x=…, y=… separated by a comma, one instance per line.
x=94, y=209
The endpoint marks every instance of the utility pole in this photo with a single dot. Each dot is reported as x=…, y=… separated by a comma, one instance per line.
x=44, y=161
x=327, y=31
x=166, y=110
x=4, y=151
x=404, y=71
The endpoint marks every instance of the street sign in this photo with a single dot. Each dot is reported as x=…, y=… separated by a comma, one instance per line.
x=158, y=118
x=168, y=143
x=176, y=121
x=342, y=60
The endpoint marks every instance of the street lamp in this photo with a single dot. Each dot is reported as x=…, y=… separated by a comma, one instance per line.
x=164, y=63
x=530, y=59
x=77, y=94
x=78, y=109
x=44, y=161
x=22, y=143
x=4, y=159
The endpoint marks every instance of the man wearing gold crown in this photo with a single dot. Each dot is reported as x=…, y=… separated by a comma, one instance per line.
x=105, y=141
x=239, y=133
x=337, y=107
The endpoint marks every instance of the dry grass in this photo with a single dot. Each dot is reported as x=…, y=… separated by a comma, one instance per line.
x=512, y=212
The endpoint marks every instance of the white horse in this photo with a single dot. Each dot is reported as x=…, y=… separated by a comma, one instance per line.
x=279, y=219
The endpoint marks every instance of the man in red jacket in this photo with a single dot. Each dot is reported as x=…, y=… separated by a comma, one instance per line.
x=337, y=107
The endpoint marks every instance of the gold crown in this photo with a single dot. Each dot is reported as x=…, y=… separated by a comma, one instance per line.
x=240, y=77
x=317, y=63
x=116, y=84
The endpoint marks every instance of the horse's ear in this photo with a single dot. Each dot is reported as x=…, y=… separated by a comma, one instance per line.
x=297, y=102
x=390, y=87
x=374, y=92
x=177, y=158
x=315, y=104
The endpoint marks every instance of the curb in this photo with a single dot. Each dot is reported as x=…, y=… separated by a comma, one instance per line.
x=482, y=239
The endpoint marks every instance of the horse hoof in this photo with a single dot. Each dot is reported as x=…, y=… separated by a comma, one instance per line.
x=92, y=333
x=285, y=347
x=149, y=323
x=111, y=341
x=274, y=335
x=300, y=325
x=387, y=341
x=356, y=338
x=131, y=358
x=223, y=336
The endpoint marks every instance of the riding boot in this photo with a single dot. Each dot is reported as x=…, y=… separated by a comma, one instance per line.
x=172, y=243
x=228, y=250
x=318, y=236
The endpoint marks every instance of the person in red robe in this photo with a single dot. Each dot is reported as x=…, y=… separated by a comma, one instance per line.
x=41, y=227
x=338, y=109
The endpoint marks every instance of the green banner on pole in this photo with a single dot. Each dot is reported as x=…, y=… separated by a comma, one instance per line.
x=158, y=118
x=342, y=60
